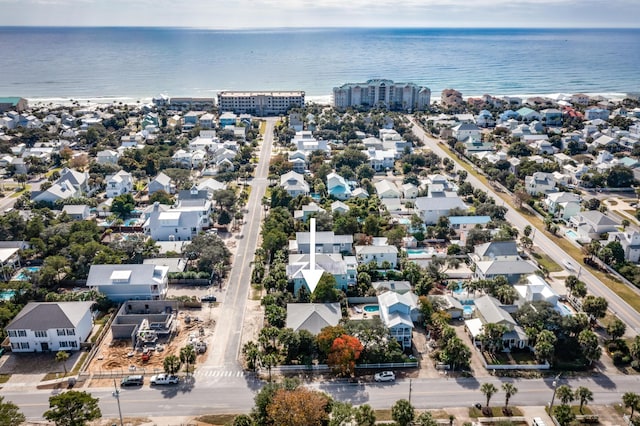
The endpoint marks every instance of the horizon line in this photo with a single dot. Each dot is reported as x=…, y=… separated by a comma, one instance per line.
x=337, y=27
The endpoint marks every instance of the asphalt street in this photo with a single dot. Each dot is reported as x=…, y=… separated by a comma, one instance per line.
x=228, y=331
x=618, y=306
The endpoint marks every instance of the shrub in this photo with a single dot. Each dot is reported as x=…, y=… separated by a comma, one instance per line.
x=617, y=358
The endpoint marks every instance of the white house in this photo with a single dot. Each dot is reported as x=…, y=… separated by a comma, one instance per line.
x=129, y=282
x=387, y=189
x=294, y=184
x=630, y=242
x=563, y=204
x=590, y=224
x=466, y=130
x=409, y=191
x=536, y=289
x=398, y=312
x=431, y=208
x=77, y=211
x=313, y=317
x=50, y=326
x=183, y=222
x=119, y=184
x=540, y=183
x=490, y=311
x=378, y=253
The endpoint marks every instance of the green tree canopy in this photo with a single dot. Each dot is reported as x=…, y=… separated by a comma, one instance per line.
x=72, y=408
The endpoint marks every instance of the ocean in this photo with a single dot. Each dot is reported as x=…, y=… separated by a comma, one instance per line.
x=138, y=63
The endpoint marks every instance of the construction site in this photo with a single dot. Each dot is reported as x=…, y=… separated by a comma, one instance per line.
x=144, y=332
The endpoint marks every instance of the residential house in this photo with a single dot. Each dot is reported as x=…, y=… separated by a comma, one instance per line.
x=343, y=269
x=119, y=184
x=387, y=189
x=107, y=156
x=308, y=210
x=465, y=131
x=591, y=224
x=432, y=207
x=490, y=311
x=305, y=142
x=298, y=159
x=398, y=312
x=451, y=98
x=77, y=212
x=551, y=117
x=448, y=304
x=380, y=160
x=409, y=191
x=630, y=242
x=485, y=119
x=596, y=113
x=207, y=121
x=161, y=182
x=337, y=186
x=463, y=224
x=326, y=242
x=401, y=287
x=500, y=258
x=50, y=327
x=129, y=282
x=312, y=317
x=378, y=253
x=294, y=184
x=528, y=115
x=227, y=119
x=540, y=183
x=563, y=205
x=190, y=216
x=59, y=191
x=10, y=257
x=340, y=207
x=211, y=185
x=536, y=289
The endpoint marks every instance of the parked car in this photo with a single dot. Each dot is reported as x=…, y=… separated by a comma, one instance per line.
x=208, y=298
x=135, y=380
x=385, y=376
x=164, y=379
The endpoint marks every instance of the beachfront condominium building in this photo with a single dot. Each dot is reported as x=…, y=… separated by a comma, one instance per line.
x=260, y=103
x=386, y=93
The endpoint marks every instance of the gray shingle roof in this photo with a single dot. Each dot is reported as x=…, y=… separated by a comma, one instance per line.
x=48, y=315
x=490, y=310
x=312, y=317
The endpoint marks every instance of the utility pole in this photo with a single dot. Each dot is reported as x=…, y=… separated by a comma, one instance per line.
x=116, y=395
x=410, y=387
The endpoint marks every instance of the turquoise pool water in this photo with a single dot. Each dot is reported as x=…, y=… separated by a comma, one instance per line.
x=371, y=308
x=22, y=275
x=571, y=234
x=563, y=309
x=459, y=289
x=7, y=294
x=467, y=310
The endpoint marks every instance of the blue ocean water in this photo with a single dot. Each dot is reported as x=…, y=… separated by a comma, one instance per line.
x=143, y=62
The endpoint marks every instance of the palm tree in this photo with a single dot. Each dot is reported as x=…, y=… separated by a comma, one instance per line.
x=488, y=389
x=585, y=396
x=565, y=394
x=63, y=356
x=509, y=390
x=188, y=356
x=631, y=400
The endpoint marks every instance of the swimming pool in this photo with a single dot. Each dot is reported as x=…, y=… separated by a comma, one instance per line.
x=467, y=310
x=7, y=294
x=563, y=309
x=22, y=275
x=371, y=308
x=459, y=289
x=571, y=234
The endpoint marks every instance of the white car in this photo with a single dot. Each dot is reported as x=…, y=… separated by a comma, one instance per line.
x=164, y=379
x=385, y=376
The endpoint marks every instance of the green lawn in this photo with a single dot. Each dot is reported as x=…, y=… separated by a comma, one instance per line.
x=217, y=419
x=546, y=261
x=4, y=378
x=575, y=409
x=495, y=412
x=22, y=191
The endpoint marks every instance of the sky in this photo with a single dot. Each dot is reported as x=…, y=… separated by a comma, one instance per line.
x=241, y=14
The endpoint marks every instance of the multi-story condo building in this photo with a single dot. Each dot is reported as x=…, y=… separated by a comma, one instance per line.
x=373, y=93
x=260, y=103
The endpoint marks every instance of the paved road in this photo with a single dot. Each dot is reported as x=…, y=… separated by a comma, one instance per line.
x=618, y=306
x=228, y=331
x=235, y=395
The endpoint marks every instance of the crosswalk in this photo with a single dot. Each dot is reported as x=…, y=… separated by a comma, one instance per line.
x=219, y=373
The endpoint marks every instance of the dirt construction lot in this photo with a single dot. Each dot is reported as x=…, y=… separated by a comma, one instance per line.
x=117, y=357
